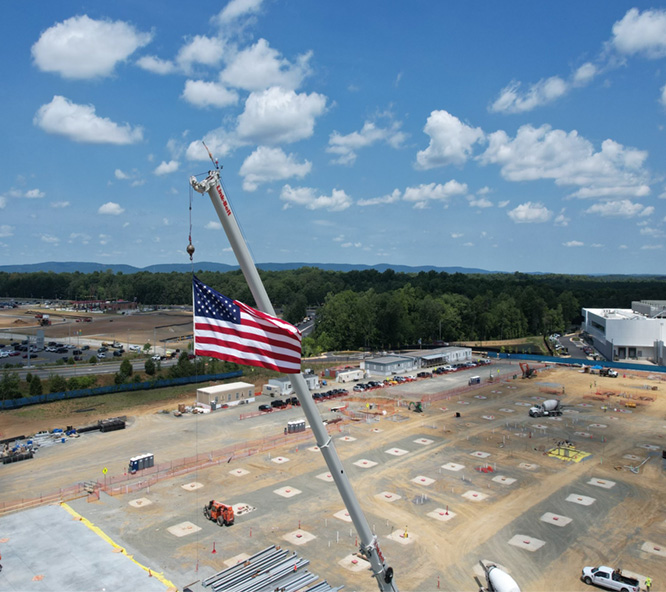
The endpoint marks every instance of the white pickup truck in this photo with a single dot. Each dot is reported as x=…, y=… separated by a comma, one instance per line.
x=609, y=578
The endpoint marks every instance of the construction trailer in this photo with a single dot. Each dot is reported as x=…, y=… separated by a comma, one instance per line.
x=234, y=393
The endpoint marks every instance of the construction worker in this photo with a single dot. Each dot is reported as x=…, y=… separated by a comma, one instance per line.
x=648, y=584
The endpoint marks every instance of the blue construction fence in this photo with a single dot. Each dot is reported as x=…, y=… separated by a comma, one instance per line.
x=577, y=362
x=116, y=388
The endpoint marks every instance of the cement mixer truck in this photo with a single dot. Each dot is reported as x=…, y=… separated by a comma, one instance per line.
x=549, y=408
x=498, y=580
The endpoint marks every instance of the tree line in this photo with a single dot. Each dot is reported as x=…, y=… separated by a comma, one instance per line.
x=372, y=309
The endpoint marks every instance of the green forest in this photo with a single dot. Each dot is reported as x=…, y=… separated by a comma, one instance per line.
x=372, y=309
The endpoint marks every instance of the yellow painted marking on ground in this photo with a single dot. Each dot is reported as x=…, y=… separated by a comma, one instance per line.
x=99, y=532
x=563, y=453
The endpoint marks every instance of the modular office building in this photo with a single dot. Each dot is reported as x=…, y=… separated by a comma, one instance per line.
x=629, y=334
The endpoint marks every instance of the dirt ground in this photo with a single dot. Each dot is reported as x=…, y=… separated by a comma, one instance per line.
x=596, y=511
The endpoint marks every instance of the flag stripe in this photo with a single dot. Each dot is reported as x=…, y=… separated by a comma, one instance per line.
x=232, y=331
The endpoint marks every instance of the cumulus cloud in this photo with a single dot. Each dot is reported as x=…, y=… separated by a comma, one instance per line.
x=49, y=238
x=3, y=202
x=119, y=174
x=156, y=65
x=219, y=141
x=451, y=141
x=80, y=124
x=512, y=100
x=79, y=236
x=60, y=204
x=584, y=74
x=34, y=194
x=568, y=159
x=207, y=51
x=81, y=47
x=208, y=94
x=271, y=164
x=110, y=208
x=623, y=208
x=259, y=67
x=573, y=243
x=561, y=219
x=213, y=225
x=164, y=168
x=347, y=146
x=237, y=9
x=277, y=115
x=651, y=247
x=479, y=202
x=6, y=230
x=641, y=33
x=310, y=199
x=393, y=197
x=423, y=194
x=529, y=213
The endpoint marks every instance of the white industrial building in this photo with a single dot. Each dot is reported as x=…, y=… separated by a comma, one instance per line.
x=234, y=393
x=389, y=364
x=279, y=387
x=624, y=334
x=445, y=355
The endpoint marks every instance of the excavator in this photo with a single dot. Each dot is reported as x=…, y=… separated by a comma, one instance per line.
x=415, y=406
x=219, y=512
x=527, y=371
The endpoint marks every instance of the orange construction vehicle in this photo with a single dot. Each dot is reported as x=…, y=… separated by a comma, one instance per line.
x=220, y=513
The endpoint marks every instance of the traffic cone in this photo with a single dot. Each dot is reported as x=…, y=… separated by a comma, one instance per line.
x=150, y=574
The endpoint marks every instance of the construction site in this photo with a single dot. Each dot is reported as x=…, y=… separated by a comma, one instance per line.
x=467, y=476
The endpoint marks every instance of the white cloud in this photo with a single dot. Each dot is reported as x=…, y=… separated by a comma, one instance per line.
x=511, y=100
x=457, y=235
x=384, y=199
x=271, y=164
x=479, y=202
x=568, y=159
x=213, y=225
x=562, y=220
x=259, y=67
x=277, y=115
x=503, y=203
x=120, y=175
x=164, y=168
x=621, y=208
x=347, y=245
x=451, y=141
x=208, y=94
x=81, y=47
x=584, y=74
x=219, y=141
x=104, y=239
x=6, y=230
x=236, y=9
x=207, y=51
x=60, y=204
x=662, y=98
x=573, y=243
x=649, y=231
x=423, y=194
x=49, y=238
x=156, y=65
x=529, y=213
x=110, y=208
x=641, y=33
x=652, y=247
x=347, y=146
x=80, y=124
x=308, y=197
x=79, y=236
x=34, y=194
x=3, y=202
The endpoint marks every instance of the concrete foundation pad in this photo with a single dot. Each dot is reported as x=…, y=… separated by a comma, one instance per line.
x=528, y=466
x=140, y=503
x=353, y=563
x=504, y=480
x=441, y=514
x=631, y=457
x=299, y=537
x=192, y=486
x=236, y=559
x=183, y=529
x=527, y=543
x=364, y=463
x=313, y=448
x=605, y=483
x=347, y=439
x=597, y=425
x=388, y=496
x=280, y=459
x=287, y=491
x=423, y=441
x=555, y=519
x=396, y=451
x=376, y=430
x=583, y=500
x=583, y=434
x=403, y=537
x=480, y=454
x=240, y=509
x=539, y=426
x=474, y=496
x=654, y=549
x=421, y=480
x=463, y=402
x=480, y=397
x=453, y=467
x=239, y=472
x=649, y=446
x=343, y=515
x=507, y=410
x=488, y=417
x=325, y=477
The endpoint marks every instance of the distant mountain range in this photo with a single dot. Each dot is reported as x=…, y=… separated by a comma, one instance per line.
x=84, y=267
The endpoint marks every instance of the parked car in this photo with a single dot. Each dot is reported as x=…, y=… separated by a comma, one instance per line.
x=265, y=408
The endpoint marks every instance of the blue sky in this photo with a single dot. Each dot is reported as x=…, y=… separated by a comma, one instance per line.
x=512, y=136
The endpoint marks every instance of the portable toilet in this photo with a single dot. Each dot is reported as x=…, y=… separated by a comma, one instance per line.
x=475, y=380
x=295, y=425
x=143, y=461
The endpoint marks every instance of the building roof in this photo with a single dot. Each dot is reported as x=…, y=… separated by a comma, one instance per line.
x=225, y=387
x=389, y=359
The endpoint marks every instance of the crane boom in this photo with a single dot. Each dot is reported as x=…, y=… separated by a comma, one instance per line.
x=369, y=546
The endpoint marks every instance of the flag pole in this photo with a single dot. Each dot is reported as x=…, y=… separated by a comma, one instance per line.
x=369, y=544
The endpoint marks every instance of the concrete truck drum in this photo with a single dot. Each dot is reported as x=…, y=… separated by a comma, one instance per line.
x=220, y=513
x=549, y=408
x=609, y=578
x=497, y=580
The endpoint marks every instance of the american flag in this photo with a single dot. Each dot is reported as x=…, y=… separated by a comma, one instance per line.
x=232, y=331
